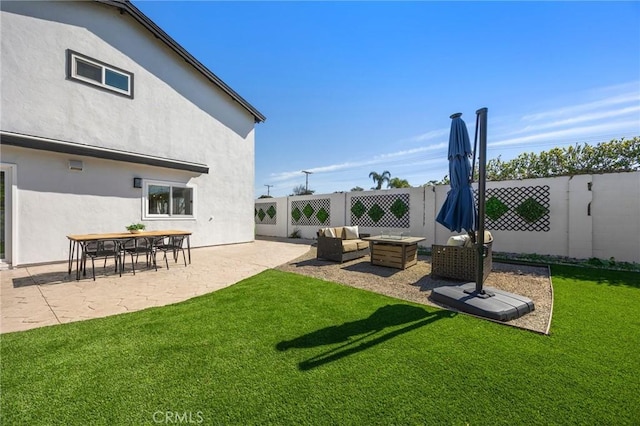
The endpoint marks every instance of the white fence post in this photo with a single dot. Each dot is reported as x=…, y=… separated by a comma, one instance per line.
x=580, y=221
x=615, y=210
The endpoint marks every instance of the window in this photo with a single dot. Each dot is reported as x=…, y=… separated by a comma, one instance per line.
x=168, y=200
x=91, y=71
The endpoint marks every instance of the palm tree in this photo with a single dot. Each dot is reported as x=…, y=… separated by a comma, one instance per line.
x=379, y=179
x=398, y=183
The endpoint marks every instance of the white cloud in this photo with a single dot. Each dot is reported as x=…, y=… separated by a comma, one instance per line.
x=577, y=109
x=581, y=119
x=378, y=159
x=429, y=135
x=574, y=133
x=614, y=115
x=412, y=151
x=322, y=169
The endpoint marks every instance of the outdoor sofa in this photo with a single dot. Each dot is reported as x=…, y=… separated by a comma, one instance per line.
x=341, y=243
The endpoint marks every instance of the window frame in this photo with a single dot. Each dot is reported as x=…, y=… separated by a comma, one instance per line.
x=72, y=73
x=169, y=216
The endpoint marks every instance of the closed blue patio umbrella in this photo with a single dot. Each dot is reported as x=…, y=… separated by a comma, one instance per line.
x=459, y=210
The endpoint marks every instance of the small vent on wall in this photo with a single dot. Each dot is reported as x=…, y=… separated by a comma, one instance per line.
x=75, y=165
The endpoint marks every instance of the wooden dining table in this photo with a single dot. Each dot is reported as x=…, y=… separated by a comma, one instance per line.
x=77, y=243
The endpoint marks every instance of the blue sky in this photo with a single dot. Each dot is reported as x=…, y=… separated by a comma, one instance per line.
x=354, y=87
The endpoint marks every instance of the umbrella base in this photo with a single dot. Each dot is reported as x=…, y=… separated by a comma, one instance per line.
x=492, y=303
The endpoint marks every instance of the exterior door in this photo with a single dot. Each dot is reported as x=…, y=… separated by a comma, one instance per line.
x=6, y=182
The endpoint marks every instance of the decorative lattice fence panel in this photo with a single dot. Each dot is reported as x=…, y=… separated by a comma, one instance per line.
x=311, y=212
x=382, y=211
x=265, y=213
x=517, y=208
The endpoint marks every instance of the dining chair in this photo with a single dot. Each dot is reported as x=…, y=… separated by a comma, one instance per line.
x=137, y=246
x=100, y=249
x=172, y=244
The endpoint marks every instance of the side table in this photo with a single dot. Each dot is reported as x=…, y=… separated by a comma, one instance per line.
x=394, y=252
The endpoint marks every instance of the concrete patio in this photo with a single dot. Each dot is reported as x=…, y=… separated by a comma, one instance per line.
x=38, y=296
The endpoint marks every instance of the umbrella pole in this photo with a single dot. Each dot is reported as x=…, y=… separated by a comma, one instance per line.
x=471, y=233
x=482, y=177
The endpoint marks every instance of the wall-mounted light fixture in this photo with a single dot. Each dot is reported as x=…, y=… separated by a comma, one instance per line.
x=75, y=165
x=137, y=182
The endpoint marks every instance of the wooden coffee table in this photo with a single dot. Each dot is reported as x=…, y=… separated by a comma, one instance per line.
x=394, y=252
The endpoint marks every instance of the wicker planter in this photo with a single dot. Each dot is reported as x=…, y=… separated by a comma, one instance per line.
x=459, y=263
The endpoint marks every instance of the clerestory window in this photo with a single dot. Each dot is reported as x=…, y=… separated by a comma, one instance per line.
x=91, y=71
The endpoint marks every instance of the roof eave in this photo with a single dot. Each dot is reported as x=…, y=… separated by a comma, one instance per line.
x=74, y=148
x=127, y=6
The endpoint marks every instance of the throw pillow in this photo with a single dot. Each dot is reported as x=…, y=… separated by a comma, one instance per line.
x=351, y=232
x=488, y=237
x=458, y=240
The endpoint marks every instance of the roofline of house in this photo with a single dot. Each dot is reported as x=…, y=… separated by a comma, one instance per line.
x=74, y=148
x=128, y=7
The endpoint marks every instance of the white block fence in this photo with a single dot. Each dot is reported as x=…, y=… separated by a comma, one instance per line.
x=581, y=216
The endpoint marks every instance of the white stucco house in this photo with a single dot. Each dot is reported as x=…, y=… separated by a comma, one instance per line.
x=106, y=121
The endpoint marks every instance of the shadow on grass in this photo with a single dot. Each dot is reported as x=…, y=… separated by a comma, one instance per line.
x=356, y=336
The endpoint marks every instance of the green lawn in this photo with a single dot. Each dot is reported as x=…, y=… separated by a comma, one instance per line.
x=279, y=348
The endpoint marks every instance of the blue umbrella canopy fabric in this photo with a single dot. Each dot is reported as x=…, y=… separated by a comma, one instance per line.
x=459, y=210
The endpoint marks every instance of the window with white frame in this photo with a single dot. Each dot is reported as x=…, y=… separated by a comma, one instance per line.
x=91, y=71
x=168, y=200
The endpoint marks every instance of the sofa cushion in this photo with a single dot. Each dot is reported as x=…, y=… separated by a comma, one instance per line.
x=349, y=246
x=338, y=232
x=351, y=232
x=329, y=232
x=362, y=244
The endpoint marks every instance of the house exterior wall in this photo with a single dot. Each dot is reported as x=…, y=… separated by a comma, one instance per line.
x=175, y=113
